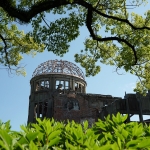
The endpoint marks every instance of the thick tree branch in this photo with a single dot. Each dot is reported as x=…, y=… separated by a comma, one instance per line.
x=95, y=37
x=5, y=49
x=27, y=15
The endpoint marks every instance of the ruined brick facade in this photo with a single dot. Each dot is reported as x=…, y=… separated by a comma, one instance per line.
x=58, y=90
x=88, y=106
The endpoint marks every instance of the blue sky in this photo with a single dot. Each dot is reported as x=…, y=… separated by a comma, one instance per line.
x=15, y=90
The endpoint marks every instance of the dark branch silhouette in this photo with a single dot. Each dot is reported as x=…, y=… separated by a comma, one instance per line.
x=95, y=37
x=27, y=14
x=5, y=49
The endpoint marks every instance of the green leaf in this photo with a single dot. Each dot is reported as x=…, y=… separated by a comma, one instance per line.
x=137, y=130
x=125, y=133
x=119, y=143
x=124, y=118
x=119, y=135
x=3, y=145
x=31, y=136
x=23, y=140
x=54, y=134
x=70, y=146
x=105, y=147
x=32, y=146
x=85, y=124
x=54, y=141
x=145, y=143
x=133, y=143
x=6, y=138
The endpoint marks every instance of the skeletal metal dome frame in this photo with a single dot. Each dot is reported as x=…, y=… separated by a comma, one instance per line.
x=58, y=67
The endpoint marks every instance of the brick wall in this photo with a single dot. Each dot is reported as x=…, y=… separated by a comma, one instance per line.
x=89, y=107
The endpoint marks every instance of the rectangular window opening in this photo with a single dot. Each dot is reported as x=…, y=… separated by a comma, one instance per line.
x=80, y=88
x=46, y=84
x=42, y=85
x=66, y=84
x=62, y=83
x=57, y=83
x=40, y=115
x=76, y=86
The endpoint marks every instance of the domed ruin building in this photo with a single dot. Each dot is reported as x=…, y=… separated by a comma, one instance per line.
x=58, y=90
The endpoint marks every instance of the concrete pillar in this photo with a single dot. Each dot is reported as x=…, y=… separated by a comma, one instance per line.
x=73, y=85
x=43, y=109
x=38, y=115
x=31, y=112
x=128, y=110
x=50, y=109
x=140, y=110
x=53, y=83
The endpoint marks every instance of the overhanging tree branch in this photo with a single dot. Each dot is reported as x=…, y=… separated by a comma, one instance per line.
x=39, y=7
x=5, y=49
x=26, y=15
x=95, y=37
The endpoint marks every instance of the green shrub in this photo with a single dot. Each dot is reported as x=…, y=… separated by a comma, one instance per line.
x=104, y=135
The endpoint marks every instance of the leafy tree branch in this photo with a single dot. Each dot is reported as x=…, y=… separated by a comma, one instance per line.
x=41, y=6
x=95, y=37
x=118, y=37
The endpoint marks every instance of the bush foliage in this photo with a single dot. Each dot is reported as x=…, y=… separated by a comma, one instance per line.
x=111, y=134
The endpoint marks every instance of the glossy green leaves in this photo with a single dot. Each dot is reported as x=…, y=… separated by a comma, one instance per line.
x=111, y=134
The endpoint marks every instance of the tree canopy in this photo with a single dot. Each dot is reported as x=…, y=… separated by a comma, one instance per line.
x=124, y=43
x=13, y=43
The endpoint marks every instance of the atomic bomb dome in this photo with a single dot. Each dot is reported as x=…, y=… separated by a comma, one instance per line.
x=58, y=90
x=58, y=67
x=54, y=78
